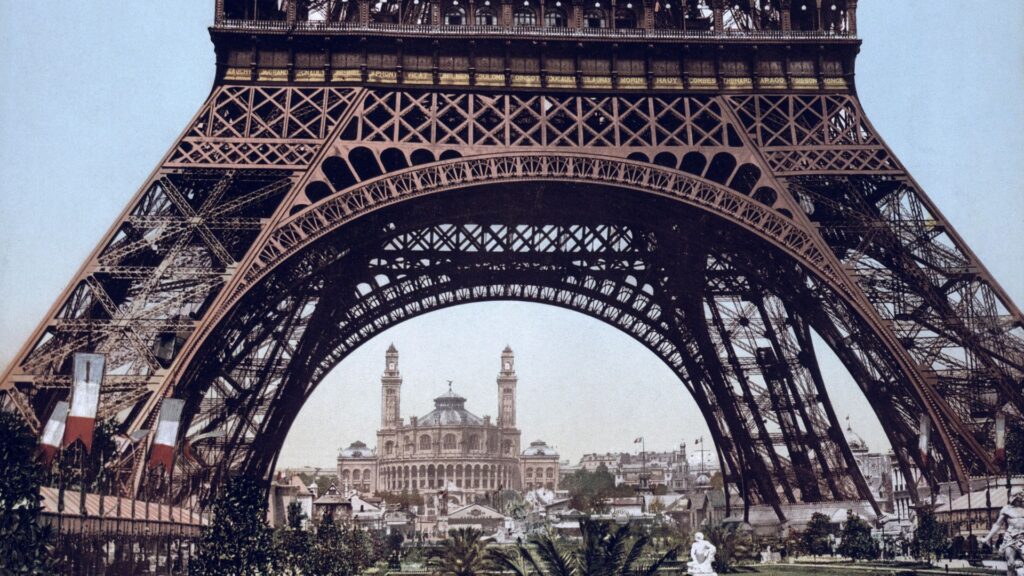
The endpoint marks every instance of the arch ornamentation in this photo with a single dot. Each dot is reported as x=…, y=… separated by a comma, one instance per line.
x=773, y=223
x=318, y=219
x=640, y=312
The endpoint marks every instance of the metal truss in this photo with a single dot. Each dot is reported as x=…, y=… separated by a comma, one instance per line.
x=603, y=270
x=964, y=334
x=289, y=224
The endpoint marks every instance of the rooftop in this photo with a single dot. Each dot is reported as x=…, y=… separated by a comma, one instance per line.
x=540, y=448
x=357, y=449
x=449, y=410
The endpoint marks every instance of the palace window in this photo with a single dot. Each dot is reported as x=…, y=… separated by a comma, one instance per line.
x=455, y=16
x=625, y=18
x=425, y=442
x=449, y=442
x=555, y=18
x=524, y=16
x=474, y=442
x=595, y=18
x=667, y=15
x=389, y=447
x=486, y=17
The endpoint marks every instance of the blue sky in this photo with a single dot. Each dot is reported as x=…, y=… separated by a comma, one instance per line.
x=95, y=92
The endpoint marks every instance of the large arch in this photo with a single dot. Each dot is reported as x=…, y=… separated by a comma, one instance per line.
x=720, y=231
x=716, y=232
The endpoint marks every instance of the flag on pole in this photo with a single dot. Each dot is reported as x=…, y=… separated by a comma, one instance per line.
x=1000, y=437
x=638, y=440
x=166, y=434
x=53, y=433
x=925, y=431
x=85, y=399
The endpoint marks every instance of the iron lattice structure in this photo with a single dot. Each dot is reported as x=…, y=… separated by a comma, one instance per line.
x=701, y=177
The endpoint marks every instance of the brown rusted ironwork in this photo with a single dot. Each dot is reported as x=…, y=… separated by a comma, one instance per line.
x=704, y=180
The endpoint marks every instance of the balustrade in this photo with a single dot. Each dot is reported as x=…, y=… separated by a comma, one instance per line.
x=696, y=19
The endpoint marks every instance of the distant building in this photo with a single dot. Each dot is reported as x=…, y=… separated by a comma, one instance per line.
x=973, y=512
x=539, y=466
x=902, y=499
x=885, y=480
x=675, y=469
x=449, y=449
x=477, y=516
x=349, y=507
x=357, y=468
x=876, y=467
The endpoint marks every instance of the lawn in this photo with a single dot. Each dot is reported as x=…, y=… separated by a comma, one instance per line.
x=861, y=570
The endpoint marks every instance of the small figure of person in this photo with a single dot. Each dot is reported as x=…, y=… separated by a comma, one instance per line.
x=1011, y=517
x=702, y=556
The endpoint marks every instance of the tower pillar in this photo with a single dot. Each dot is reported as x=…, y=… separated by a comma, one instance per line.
x=507, y=390
x=390, y=390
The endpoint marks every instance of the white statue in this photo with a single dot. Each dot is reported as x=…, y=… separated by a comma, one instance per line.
x=1011, y=517
x=702, y=555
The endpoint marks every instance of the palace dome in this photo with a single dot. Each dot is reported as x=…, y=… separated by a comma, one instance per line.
x=449, y=409
x=857, y=444
x=356, y=449
x=540, y=448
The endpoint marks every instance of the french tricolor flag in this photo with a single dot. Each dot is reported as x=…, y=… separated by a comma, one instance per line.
x=162, y=452
x=53, y=433
x=85, y=399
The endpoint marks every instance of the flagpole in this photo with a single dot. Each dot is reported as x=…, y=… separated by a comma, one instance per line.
x=81, y=494
x=100, y=477
x=60, y=494
x=643, y=462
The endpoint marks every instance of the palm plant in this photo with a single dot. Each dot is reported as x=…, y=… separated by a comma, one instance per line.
x=462, y=554
x=604, y=551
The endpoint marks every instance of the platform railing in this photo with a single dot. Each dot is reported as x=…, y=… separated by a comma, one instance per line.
x=324, y=26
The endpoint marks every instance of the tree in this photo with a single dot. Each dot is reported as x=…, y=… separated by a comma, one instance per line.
x=814, y=540
x=929, y=535
x=858, y=543
x=291, y=549
x=403, y=499
x=292, y=543
x=731, y=546
x=24, y=544
x=461, y=554
x=296, y=515
x=589, y=490
x=604, y=551
x=238, y=541
x=327, y=556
